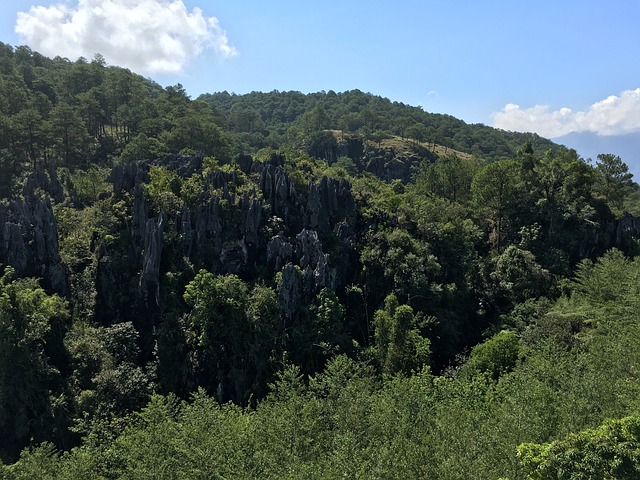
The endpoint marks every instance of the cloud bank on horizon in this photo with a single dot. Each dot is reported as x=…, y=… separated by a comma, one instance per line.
x=147, y=36
x=615, y=115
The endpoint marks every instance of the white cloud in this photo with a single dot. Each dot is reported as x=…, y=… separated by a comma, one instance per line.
x=615, y=115
x=147, y=36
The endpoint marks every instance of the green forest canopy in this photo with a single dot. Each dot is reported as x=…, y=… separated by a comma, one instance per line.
x=289, y=285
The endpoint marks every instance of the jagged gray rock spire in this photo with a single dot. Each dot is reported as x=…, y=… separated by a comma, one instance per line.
x=29, y=240
x=152, y=255
x=279, y=251
x=314, y=262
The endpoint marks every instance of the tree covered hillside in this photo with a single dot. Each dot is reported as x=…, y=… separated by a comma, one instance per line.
x=258, y=120
x=283, y=285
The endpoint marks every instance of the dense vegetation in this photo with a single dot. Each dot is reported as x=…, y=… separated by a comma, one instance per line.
x=283, y=285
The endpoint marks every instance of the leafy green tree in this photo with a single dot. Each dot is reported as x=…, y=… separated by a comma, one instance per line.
x=31, y=136
x=142, y=147
x=195, y=129
x=350, y=122
x=330, y=319
x=609, y=451
x=614, y=179
x=245, y=120
x=164, y=189
x=217, y=329
x=562, y=187
x=107, y=378
x=322, y=334
x=399, y=346
x=90, y=184
x=495, y=190
x=450, y=177
x=264, y=336
x=70, y=137
x=417, y=132
x=94, y=111
x=496, y=356
x=395, y=260
x=31, y=326
x=517, y=277
x=347, y=164
x=314, y=120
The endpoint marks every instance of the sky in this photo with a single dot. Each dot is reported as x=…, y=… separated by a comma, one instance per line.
x=552, y=67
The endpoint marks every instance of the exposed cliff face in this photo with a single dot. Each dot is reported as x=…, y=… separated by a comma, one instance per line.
x=279, y=252
x=29, y=234
x=314, y=262
x=328, y=203
x=290, y=293
x=330, y=146
x=622, y=231
x=393, y=162
x=152, y=254
x=126, y=177
x=278, y=190
x=224, y=232
x=45, y=181
x=389, y=160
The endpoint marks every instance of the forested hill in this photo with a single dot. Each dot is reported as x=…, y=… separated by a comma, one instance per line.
x=274, y=119
x=56, y=112
x=283, y=285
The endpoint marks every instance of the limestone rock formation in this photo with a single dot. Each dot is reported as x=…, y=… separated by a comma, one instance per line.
x=391, y=163
x=278, y=190
x=250, y=217
x=328, y=203
x=279, y=251
x=46, y=181
x=290, y=292
x=329, y=146
x=152, y=255
x=314, y=262
x=234, y=256
x=29, y=241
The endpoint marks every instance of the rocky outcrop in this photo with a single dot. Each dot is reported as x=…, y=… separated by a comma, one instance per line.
x=151, y=257
x=279, y=251
x=185, y=230
x=290, y=292
x=234, y=256
x=328, y=203
x=208, y=224
x=224, y=231
x=250, y=218
x=220, y=180
x=245, y=162
x=329, y=146
x=301, y=281
x=29, y=241
x=390, y=163
x=630, y=224
x=621, y=231
x=126, y=177
x=45, y=182
x=14, y=249
x=314, y=262
x=278, y=190
x=139, y=213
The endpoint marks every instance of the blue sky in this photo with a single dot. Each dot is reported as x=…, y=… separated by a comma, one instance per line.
x=548, y=66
